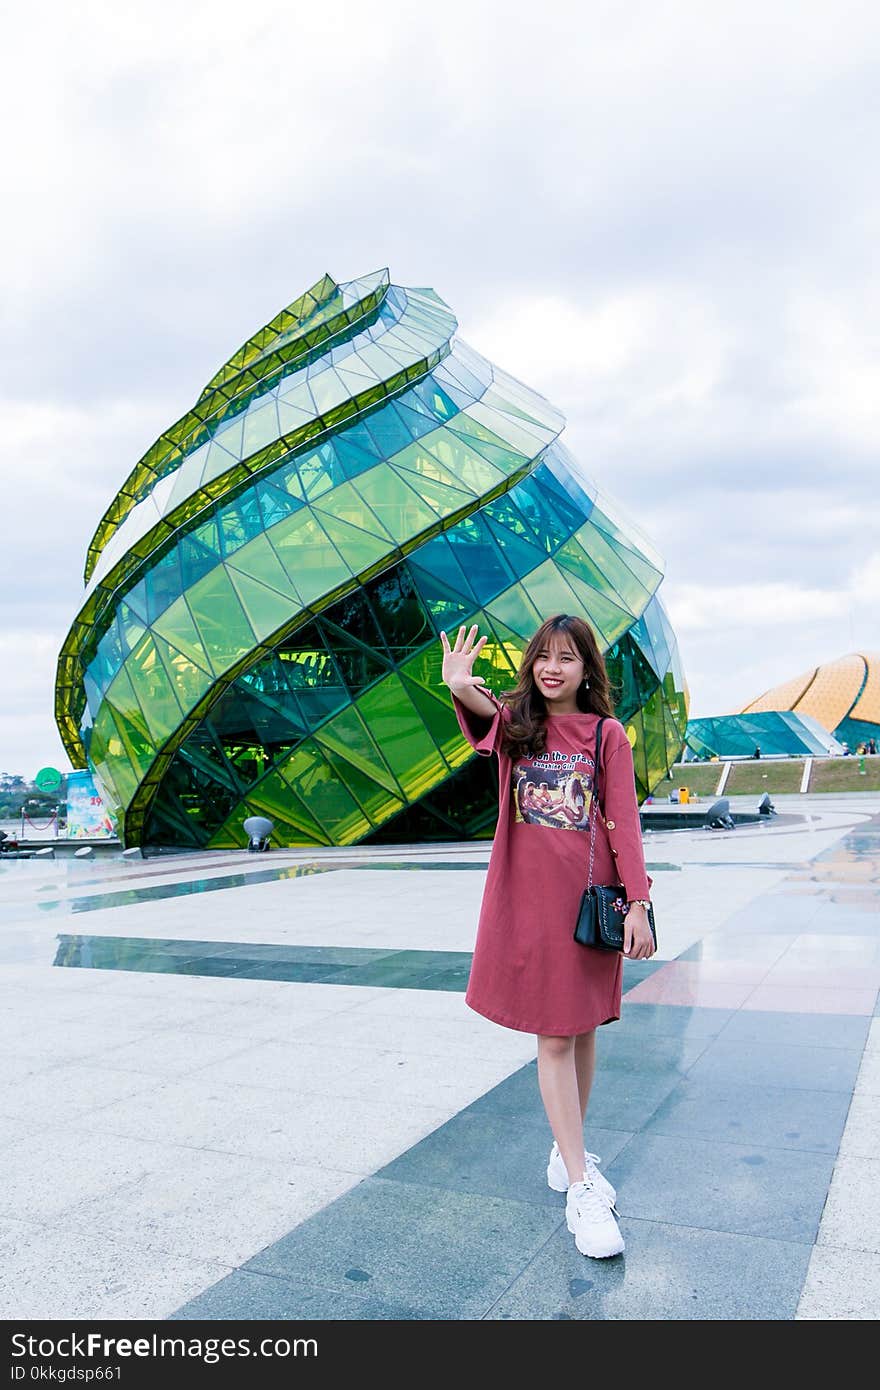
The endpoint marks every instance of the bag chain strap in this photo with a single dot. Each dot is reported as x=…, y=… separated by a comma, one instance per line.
x=594, y=804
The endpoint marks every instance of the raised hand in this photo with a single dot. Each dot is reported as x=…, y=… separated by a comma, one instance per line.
x=458, y=661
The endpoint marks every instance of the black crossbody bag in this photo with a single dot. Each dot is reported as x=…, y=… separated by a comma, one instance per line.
x=602, y=914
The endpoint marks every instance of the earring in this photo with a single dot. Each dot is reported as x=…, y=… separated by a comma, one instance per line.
x=586, y=684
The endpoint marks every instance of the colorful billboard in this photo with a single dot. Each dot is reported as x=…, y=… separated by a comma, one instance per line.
x=87, y=817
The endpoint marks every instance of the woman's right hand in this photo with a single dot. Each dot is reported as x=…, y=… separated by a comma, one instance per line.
x=458, y=661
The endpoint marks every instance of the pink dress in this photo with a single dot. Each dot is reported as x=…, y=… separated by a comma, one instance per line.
x=528, y=972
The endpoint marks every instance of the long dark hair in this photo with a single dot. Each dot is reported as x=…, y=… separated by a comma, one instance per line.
x=526, y=733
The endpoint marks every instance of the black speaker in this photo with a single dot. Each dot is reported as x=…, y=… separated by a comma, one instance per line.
x=718, y=816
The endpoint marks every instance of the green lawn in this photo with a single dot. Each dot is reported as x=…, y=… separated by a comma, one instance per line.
x=842, y=774
x=759, y=776
x=701, y=778
x=775, y=775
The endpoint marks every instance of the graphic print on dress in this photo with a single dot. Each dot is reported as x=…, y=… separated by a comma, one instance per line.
x=554, y=789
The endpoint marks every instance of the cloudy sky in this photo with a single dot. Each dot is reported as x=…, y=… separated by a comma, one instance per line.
x=664, y=216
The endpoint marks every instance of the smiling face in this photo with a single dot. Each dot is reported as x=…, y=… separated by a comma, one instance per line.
x=558, y=671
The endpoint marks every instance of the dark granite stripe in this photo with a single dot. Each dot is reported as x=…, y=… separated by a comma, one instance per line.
x=339, y=965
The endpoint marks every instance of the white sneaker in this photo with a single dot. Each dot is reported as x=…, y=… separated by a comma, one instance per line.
x=557, y=1174
x=590, y=1220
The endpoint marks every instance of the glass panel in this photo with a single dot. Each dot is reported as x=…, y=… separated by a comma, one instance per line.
x=355, y=616
x=189, y=681
x=608, y=620
x=223, y=627
x=239, y=522
x=394, y=724
x=617, y=575
x=275, y=797
x=447, y=609
x=130, y=627
x=196, y=560
x=258, y=561
x=442, y=499
x=347, y=735
x=481, y=558
x=439, y=719
x=398, y=506
x=465, y=463
x=516, y=610
x=573, y=558
x=359, y=550
x=308, y=556
x=115, y=765
x=266, y=608
x=324, y=796
x=360, y=665
x=540, y=515
x=438, y=559
x=177, y=627
x=402, y=617
x=122, y=696
x=152, y=686
x=389, y=433
x=313, y=675
x=260, y=427
x=520, y=553
x=204, y=753
x=276, y=502
x=377, y=803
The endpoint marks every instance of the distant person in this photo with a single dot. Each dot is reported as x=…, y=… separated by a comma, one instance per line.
x=757, y=752
x=872, y=746
x=847, y=751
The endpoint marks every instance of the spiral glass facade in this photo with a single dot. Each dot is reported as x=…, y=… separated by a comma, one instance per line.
x=264, y=595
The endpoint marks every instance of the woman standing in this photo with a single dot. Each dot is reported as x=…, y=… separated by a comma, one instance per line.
x=528, y=973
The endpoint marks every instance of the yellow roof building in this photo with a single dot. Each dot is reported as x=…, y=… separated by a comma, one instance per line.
x=843, y=695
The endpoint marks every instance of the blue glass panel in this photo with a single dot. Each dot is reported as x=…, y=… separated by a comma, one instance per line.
x=276, y=503
x=521, y=553
x=108, y=658
x=388, y=431
x=567, y=472
x=320, y=470
x=446, y=608
x=94, y=695
x=461, y=376
x=572, y=515
x=136, y=598
x=195, y=560
x=359, y=436
x=654, y=625
x=480, y=556
x=164, y=584
x=207, y=535
x=437, y=559
x=354, y=460
x=540, y=515
x=432, y=395
x=234, y=531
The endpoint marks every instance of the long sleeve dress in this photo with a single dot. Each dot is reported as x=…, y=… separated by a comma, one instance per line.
x=528, y=972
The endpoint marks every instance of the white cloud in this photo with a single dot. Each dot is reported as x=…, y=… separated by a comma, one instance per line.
x=664, y=217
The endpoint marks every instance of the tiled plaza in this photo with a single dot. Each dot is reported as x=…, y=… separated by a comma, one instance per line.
x=249, y=1087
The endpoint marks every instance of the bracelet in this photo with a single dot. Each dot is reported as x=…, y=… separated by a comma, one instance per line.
x=640, y=902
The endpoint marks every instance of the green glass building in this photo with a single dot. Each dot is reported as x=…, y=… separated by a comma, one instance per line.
x=259, y=633
x=778, y=733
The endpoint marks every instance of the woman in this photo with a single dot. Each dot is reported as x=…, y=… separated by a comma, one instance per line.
x=528, y=973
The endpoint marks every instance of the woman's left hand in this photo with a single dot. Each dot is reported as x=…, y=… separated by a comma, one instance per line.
x=638, y=943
